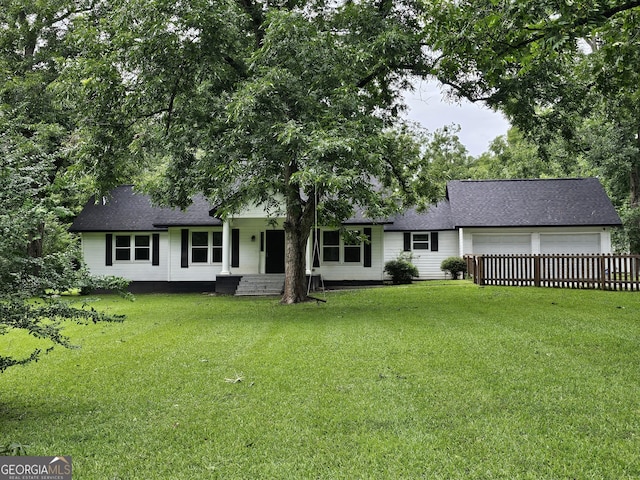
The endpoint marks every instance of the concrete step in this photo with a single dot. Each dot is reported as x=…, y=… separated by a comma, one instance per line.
x=260, y=285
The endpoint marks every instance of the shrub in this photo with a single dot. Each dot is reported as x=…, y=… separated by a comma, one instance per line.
x=454, y=266
x=401, y=269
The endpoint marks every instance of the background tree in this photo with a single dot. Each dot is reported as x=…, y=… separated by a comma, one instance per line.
x=38, y=188
x=443, y=158
x=555, y=69
x=292, y=104
x=27, y=282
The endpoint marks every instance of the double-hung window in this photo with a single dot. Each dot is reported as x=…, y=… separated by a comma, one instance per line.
x=206, y=247
x=421, y=241
x=123, y=248
x=353, y=247
x=142, y=250
x=141, y=245
x=200, y=247
x=335, y=248
x=331, y=246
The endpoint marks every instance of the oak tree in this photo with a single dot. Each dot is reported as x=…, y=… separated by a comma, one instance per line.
x=290, y=104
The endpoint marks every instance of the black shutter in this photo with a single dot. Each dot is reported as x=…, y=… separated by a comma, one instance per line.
x=108, y=251
x=367, y=248
x=155, y=249
x=184, y=248
x=434, y=241
x=316, y=248
x=235, y=247
x=407, y=241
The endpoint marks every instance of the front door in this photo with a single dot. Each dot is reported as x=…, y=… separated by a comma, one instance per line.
x=274, y=249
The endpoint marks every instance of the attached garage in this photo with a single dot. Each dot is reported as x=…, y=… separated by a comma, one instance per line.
x=501, y=244
x=585, y=243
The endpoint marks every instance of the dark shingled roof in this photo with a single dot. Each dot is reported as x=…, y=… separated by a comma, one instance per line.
x=127, y=210
x=535, y=202
x=437, y=217
x=469, y=203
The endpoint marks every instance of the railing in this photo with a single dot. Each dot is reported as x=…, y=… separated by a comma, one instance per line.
x=606, y=272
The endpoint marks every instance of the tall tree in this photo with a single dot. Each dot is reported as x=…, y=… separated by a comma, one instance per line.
x=36, y=185
x=549, y=65
x=443, y=158
x=290, y=104
x=26, y=280
x=515, y=156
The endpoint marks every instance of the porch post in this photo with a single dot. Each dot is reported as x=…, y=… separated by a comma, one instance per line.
x=309, y=256
x=226, y=247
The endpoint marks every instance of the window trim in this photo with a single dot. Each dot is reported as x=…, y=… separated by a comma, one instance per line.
x=210, y=247
x=353, y=246
x=132, y=248
x=425, y=243
x=342, y=248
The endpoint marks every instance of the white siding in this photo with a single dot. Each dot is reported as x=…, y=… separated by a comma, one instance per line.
x=259, y=212
x=427, y=262
x=195, y=272
x=337, y=271
x=251, y=258
x=93, y=250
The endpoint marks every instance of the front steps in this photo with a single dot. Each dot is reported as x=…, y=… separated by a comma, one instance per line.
x=261, y=285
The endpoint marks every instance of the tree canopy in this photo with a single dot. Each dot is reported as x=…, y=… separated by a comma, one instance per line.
x=39, y=187
x=292, y=104
x=564, y=72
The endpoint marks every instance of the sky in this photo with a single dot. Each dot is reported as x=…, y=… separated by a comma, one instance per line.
x=479, y=125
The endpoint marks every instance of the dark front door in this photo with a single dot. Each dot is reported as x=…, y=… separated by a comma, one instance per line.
x=274, y=260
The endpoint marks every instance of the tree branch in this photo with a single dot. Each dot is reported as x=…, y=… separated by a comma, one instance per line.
x=172, y=98
x=580, y=22
x=252, y=8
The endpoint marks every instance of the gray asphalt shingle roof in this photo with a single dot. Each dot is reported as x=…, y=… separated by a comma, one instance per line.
x=469, y=203
x=127, y=210
x=534, y=202
x=437, y=217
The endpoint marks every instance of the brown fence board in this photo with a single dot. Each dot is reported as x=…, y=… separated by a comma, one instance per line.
x=606, y=272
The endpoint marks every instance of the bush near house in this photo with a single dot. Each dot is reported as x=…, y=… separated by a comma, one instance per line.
x=401, y=270
x=454, y=266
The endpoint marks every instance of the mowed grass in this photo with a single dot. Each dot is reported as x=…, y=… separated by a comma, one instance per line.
x=434, y=380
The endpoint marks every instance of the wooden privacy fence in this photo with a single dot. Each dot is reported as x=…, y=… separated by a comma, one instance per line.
x=606, y=272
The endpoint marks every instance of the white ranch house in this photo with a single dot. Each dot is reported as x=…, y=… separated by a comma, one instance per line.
x=162, y=249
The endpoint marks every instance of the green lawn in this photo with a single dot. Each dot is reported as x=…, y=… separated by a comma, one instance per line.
x=435, y=380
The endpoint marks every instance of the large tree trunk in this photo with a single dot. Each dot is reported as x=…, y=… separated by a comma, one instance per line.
x=295, y=290
x=297, y=227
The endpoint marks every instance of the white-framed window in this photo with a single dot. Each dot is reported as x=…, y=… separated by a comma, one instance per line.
x=331, y=246
x=206, y=247
x=337, y=249
x=200, y=247
x=352, y=247
x=420, y=241
x=140, y=244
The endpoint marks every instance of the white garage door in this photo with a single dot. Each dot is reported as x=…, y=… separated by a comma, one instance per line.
x=570, y=243
x=501, y=244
